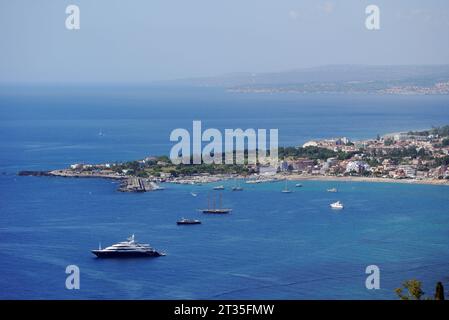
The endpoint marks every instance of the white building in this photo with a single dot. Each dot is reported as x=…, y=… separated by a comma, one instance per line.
x=267, y=170
x=357, y=166
x=310, y=144
x=409, y=171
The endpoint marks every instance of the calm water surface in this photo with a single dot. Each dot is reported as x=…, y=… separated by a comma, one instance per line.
x=273, y=245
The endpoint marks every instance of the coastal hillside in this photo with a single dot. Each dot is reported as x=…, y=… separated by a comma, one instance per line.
x=420, y=79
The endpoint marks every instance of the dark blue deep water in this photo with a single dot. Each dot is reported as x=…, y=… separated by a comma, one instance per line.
x=273, y=245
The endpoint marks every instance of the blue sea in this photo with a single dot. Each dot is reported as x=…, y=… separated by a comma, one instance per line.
x=272, y=245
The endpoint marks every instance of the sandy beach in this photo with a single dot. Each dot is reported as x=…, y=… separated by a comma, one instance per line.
x=365, y=179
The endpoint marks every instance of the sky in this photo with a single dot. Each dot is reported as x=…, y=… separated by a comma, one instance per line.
x=140, y=41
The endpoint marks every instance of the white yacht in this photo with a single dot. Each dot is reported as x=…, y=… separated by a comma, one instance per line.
x=332, y=190
x=337, y=205
x=129, y=248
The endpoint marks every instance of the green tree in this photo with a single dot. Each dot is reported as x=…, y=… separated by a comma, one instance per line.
x=413, y=290
x=388, y=142
x=445, y=142
x=444, y=161
x=439, y=291
x=312, y=153
x=345, y=155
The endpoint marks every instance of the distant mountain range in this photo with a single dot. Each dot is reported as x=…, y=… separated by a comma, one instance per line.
x=425, y=79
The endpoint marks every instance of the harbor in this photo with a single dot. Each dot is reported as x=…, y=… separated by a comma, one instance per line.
x=420, y=157
x=138, y=185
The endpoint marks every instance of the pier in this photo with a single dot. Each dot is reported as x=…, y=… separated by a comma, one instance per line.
x=128, y=183
x=138, y=185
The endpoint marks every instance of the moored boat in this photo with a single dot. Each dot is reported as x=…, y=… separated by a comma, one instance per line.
x=286, y=189
x=213, y=209
x=237, y=187
x=188, y=221
x=337, y=205
x=127, y=249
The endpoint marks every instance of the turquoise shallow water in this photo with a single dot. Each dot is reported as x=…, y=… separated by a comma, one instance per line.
x=273, y=245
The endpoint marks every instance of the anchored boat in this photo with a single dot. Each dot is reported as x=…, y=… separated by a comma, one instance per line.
x=214, y=209
x=188, y=221
x=337, y=205
x=237, y=187
x=127, y=249
x=286, y=189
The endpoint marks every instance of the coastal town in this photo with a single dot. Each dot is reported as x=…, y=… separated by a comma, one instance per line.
x=351, y=87
x=413, y=157
x=420, y=155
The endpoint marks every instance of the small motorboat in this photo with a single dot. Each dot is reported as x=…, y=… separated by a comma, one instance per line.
x=220, y=187
x=332, y=190
x=337, y=205
x=188, y=221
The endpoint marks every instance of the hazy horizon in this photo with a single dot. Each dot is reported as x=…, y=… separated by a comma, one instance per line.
x=145, y=42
